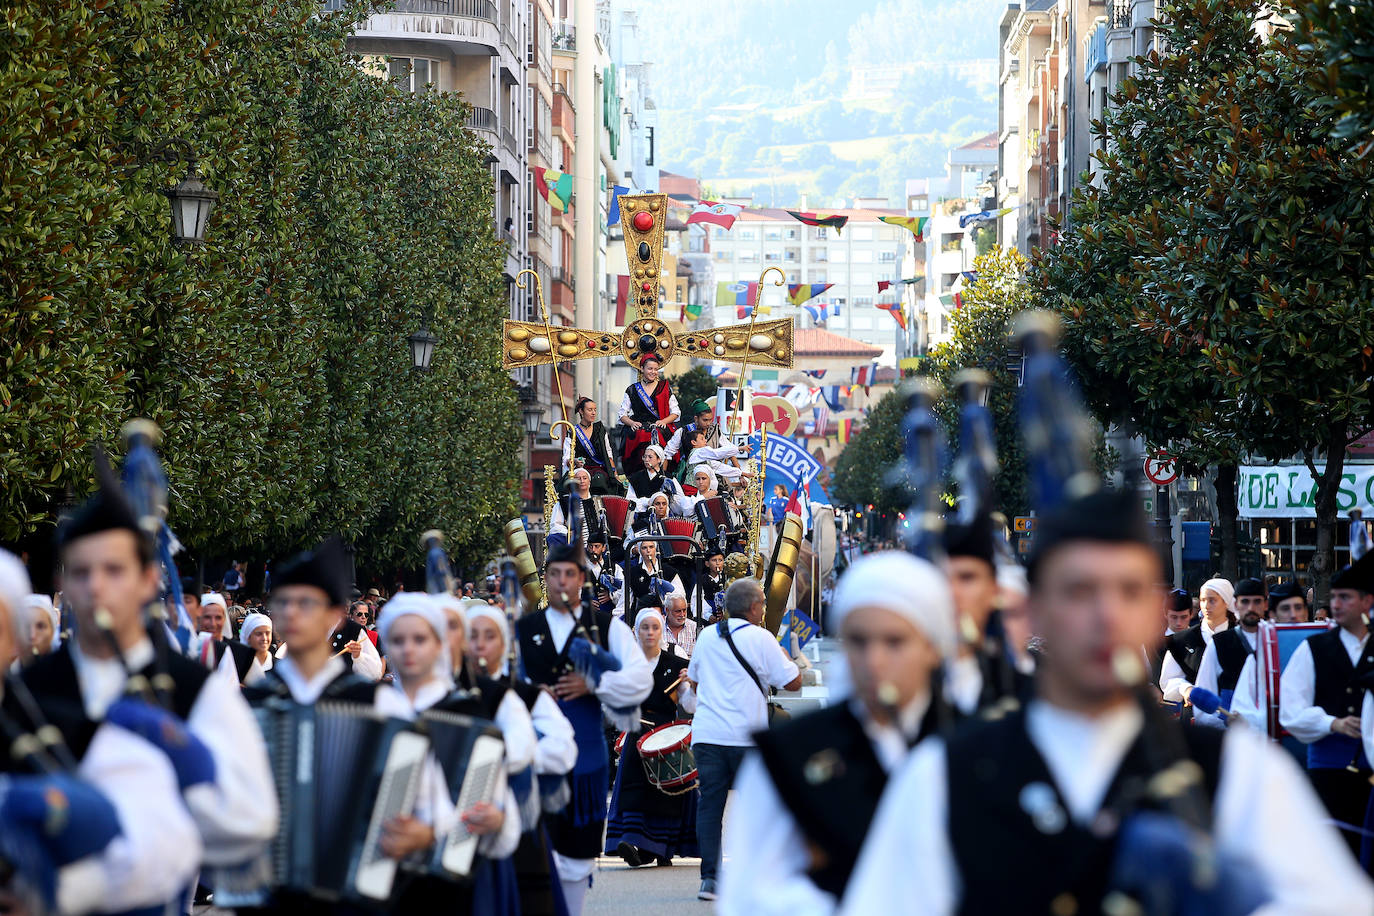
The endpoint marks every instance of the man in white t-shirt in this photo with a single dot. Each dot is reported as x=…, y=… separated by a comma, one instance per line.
x=732, y=704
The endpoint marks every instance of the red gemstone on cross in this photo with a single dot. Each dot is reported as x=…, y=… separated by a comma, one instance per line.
x=645, y=286
x=643, y=221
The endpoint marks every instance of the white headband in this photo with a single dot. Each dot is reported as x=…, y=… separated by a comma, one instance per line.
x=898, y=582
x=1223, y=589
x=14, y=581
x=417, y=604
x=658, y=450
x=487, y=612
x=706, y=469
x=645, y=614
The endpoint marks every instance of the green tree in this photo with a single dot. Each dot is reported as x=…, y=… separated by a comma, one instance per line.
x=864, y=471
x=1341, y=34
x=979, y=340
x=1212, y=288
x=693, y=385
x=274, y=357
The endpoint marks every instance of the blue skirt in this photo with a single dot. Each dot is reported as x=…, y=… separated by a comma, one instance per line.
x=644, y=817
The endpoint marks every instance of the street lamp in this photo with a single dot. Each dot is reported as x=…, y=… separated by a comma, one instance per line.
x=532, y=414
x=191, y=203
x=422, y=347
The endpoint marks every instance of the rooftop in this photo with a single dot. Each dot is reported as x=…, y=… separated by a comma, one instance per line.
x=820, y=342
x=987, y=142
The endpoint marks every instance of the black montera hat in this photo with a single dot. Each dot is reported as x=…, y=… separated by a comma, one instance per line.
x=1108, y=516
x=1358, y=575
x=326, y=567
x=975, y=539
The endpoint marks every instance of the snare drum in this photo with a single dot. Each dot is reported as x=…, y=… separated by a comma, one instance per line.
x=683, y=527
x=666, y=753
x=620, y=744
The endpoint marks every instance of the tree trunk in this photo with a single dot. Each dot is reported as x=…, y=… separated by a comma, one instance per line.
x=1326, y=505
x=1226, y=520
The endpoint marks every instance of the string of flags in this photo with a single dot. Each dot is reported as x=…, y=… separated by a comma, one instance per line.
x=896, y=310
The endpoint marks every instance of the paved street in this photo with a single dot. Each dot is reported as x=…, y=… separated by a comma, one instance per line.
x=618, y=889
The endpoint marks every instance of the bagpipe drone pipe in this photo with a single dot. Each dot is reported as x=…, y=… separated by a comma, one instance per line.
x=1165, y=862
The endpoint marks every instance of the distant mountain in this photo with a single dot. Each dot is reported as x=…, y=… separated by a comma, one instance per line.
x=827, y=100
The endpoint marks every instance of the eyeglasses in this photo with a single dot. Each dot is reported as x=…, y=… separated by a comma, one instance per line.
x=277, y=605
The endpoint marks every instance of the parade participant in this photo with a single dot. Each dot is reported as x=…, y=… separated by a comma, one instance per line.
x=720, y=459
x=565, y=649
x=706, y=483
x=359, y=654
x=1184, y=650
x=1226, y=655
x=108, y=576
x=39, y=622
x=554, y=756
x=414, y=630
x=651, y=479
x=648, y=575
x=256, y=634
x=307, y=608
x=777, y=505
x=679, y=631
x=1012, y=593
x=730, y=665
x=713, y=579
x=112, y=834
x=1178, y=616
x=592, y=521
x=591, y=445
x=704, y=419
x=650, y=518
x=649, y=408
x=980, y=675
x=219, y=651
x=815, y=782
x=1287, y=603
x=608, y=585
x=1320, y=698
x=1040, y=811
x=646, y=824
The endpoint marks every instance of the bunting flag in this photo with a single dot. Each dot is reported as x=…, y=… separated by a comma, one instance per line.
x=861, y=375
x=832, y=220
x=846, y=429
x=916, y=279
x=884, y=285
x=797, y=293
x=896, y=311
x=554, y=186
x=983, y=216
x=953, y=300
x=820, y=414
x=708, y=211
x=831, y=393
x=717, y=371
x=744, y=311
x=817, y=312
x=692, y=311
x=622, y=296
x=814, y=373
x=616, y=190
x=738, y=294
x=969, y=276
x=916, y=225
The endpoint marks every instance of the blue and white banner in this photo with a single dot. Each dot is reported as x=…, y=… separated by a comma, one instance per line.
x=788, y=463
x=794, y=621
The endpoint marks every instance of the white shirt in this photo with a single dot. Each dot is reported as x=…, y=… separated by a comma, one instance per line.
x=158, y=850
x=1207, y=675
x=714, y=458
x=617, y=689
x=624, y=410
x=764, y=838
x=368, y=664
x=1245, y=701
x=237, y=813
x=679, y=504
x=1172, y=682
x=1264, y=809
x=1297, y=711
x=964, y=682
x=730, y=707
x=307, y=690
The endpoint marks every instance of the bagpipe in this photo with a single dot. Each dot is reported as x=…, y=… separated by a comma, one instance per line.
x=1165, y=861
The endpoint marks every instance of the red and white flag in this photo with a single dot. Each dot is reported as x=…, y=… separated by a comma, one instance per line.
x=708, y=211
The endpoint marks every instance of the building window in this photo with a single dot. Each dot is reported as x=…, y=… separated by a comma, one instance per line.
x=887, y=257
x=947, y=280
x=863, y=256
x=415, y=74
x=791, y=234
x=863, y=302
x=749, y=257
x=918, y=202
x=944, y=323
x=862, y=233
x=820, y=234
x=747, y=235
x=839, y=255
x=817, y=276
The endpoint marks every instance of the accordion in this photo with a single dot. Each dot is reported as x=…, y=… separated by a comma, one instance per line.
x=472, y=756
x=325, y=758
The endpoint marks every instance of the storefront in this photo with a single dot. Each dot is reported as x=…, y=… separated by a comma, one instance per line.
x=1275, y=504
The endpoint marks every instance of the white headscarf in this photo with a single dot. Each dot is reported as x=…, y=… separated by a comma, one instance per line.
x=251, y=623
x=1223, y=589
x=658, y=450
x=896, y=581
x=480, y=609
x=227, y=631
x=644, y=614
x=14, y=582
x=417, y=604
x=28, y=611
x=709, y=472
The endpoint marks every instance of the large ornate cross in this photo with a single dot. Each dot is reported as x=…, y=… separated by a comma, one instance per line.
x=644, y=216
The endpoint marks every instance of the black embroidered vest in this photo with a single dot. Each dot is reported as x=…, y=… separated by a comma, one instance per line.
x=1232, y=651
x=1187, y=648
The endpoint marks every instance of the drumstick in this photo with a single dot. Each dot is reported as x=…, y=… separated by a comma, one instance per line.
x=673, y=686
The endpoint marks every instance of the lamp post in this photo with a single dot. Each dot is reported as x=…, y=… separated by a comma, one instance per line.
x=422, y=347
x=191, y=204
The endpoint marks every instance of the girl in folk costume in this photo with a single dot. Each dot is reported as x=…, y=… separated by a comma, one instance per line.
x=256, y=634
x=591, y=445
x=650, y=410
x=414, y=629
x=554, y=756
x=646, y=824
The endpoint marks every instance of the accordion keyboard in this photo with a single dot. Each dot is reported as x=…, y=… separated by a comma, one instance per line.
x=395, y=796
x=485, y=766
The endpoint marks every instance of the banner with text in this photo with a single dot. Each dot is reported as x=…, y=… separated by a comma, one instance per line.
x=1287, y=491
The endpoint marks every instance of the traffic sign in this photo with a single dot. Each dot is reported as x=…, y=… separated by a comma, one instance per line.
x=1161, y=468
x=1025, y=523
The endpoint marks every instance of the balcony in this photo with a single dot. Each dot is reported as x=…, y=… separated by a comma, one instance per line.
x=461, y=21
x=482, y=121
x=508, y=139
x=565, y=39
x=1119, y=14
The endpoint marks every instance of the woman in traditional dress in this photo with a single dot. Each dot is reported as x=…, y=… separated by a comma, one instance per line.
x=649, y=408
x=256, y=634
x=646, y=824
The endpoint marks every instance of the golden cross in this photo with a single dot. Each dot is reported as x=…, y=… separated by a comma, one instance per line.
x=644, y=218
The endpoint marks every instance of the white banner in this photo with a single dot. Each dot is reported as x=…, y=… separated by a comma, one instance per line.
x=1288, y=491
